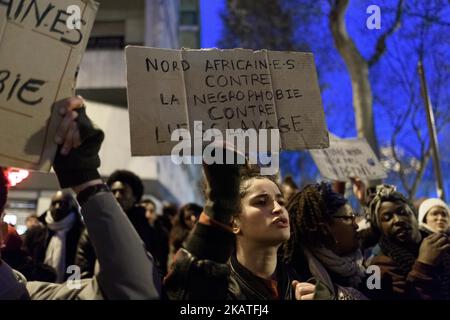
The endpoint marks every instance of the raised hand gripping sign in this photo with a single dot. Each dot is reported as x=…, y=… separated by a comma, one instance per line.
x=222, y=89
x=41, y=48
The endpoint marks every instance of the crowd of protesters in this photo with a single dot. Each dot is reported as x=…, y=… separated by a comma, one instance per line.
x=253, y=238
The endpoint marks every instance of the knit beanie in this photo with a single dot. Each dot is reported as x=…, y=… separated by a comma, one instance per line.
x=427, y=205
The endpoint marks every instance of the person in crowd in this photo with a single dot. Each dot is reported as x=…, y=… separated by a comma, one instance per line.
x=434, y=216
x=324, y=241
x=32, y=221
x=163, y=227
x=127, y=271
x=17, y=258
x=411, y=267
x=232, y=251
x=128, y=189
x=150, y=211
x=166, y=221
x=56, y=243
x=288, y=187
x=185, y=220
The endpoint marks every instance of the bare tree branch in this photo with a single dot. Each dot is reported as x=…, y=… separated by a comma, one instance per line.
x=432, y=20
x=359, y=73
x=380, y=47
x=420, y=173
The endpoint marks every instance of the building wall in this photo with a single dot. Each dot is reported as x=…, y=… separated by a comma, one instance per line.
x=161, y=23
x=102, y=81
x=189, y=24
x=179, y=180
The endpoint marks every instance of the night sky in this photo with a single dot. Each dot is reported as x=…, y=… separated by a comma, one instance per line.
x=398, y=65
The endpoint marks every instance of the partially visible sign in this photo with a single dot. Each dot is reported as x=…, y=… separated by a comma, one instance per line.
x=222, y=89
x=39, y=58
x=347, y=158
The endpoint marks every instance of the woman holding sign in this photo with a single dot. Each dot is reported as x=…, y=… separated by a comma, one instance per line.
x=232, y=251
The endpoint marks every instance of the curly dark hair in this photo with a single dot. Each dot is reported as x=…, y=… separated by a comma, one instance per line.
x=130, y=179
x=3, y=189
x=253, y=172
x=310, y=210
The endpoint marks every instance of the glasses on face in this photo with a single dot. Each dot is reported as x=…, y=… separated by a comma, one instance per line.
x=347, y=218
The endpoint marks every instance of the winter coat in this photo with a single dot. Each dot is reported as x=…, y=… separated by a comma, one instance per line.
x=207, y=269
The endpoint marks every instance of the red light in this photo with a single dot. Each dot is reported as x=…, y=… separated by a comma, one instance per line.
x=16, y=176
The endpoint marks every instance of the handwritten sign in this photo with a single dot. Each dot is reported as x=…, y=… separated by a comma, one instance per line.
x=347, y=158
x=224, y=89
x=39, y=55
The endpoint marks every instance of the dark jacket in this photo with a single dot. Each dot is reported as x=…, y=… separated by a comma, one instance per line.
x=421, y=281
x=85, y=254
x=85, y=257
x=207, y=269
x=417, y=284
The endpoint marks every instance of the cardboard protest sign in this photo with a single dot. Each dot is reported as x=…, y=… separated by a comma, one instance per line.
x=347, y=158
x=41, y=46
x=224, y=89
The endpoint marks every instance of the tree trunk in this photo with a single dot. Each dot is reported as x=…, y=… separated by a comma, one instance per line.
x=358, y=69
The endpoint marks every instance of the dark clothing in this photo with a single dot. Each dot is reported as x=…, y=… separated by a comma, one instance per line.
x=403, y=277
x=417, y=284
x=34, y=242
x=442, y=270
x=85, y=255
x=163, y=227
x=369, y=238
x=19, y=260
x=207, y=269
x=244, y=285
x=177, y=236
x=126, y=271
x=136, y=215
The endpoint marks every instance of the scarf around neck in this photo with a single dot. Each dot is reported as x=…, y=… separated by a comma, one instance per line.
x=55, y=255
x=349, y=267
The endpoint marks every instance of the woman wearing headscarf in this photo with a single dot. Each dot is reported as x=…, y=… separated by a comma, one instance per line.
x=410, y=267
